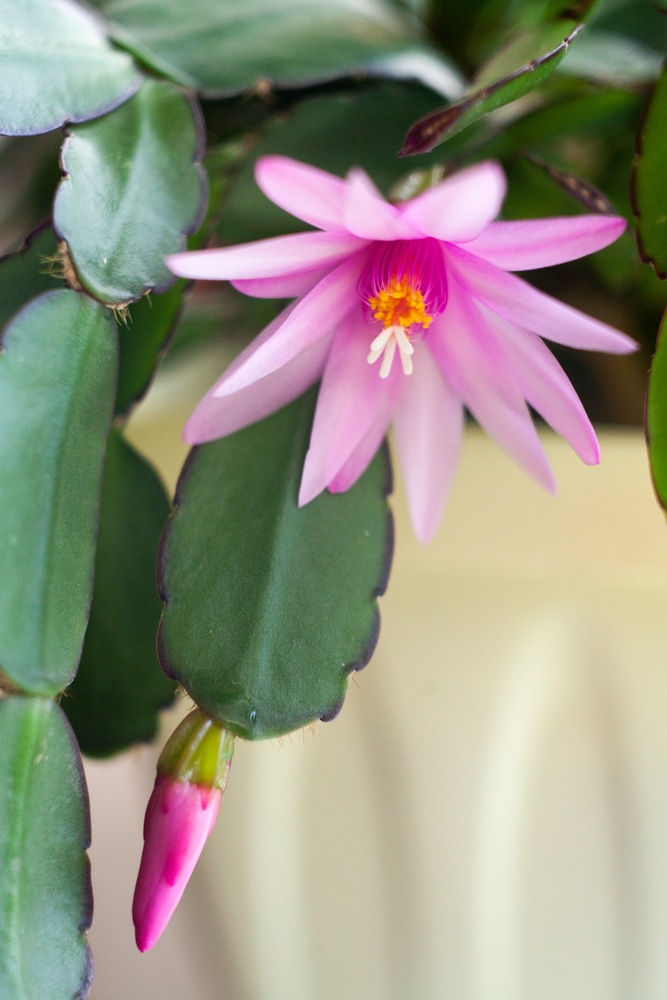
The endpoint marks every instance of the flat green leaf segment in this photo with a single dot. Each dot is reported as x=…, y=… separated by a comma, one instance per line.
x=225, y=47
x=142, y=340
x=45, y=892
x=270, y=606
x=516, y=70
x=649, y=185
x=656, y=415
x=27, y=273
x=114, y=698
x=132, y=190
x=57, y=65
x=57, y=385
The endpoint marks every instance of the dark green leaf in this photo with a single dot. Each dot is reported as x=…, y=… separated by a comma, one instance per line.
x=223, y=48
x=29, y=176
x=57, y=386
x=613, y=59
x=150, y=322
x=28, y=272
x=656, y=415
x=45, y=894
x=516, y=70
x=56, y=65
x=270, y=606
x=641, y=20
x=648, y=181
x=142, y=339
x=114, y=698
x=132, y=189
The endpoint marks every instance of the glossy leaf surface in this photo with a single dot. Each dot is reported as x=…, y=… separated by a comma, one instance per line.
x=57, y=65
x=648, y=183
x=523, y=65
x=270, y=606
x=132, y=190
x=45, y=892
x=57, y=385
x=656, y=415
x=114, y=698
x=223, y=48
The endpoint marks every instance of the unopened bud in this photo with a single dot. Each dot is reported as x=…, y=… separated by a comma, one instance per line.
x=192, y=773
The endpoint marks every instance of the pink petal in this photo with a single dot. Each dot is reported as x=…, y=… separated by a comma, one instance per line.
x=216, y=416
x=285, y=286
x=351, y=397
x=175, y=832
x=369, y=216
x=363, y=454
x=309, y=194
x=519, y=246
x=522, y=304
x=428, y=425
x=308, y=320
x=282, y=255
x=547, y=388
x=480, y=373
x=461, y=206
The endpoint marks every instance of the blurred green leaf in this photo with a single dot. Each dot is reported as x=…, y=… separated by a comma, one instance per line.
x=46, y=899
x=543, y=41
x=373, y=121
x=641, y=20
x=114, y=698
x=57, y=66
x=613, y=59
x=28, y=272
x=29, y=176
x=270, y=606
x=57, y=385
x=142, y=339
x=132, y=189
x=588, y=133
x=224, y=48
x=513, y=72
x=656, y=415
x=649, y=187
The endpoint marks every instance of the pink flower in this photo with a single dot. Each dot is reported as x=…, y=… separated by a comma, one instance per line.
x=179, y=818
x=192, y=773
x=407, y=313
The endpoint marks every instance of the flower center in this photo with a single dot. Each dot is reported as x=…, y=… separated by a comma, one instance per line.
x=405, y=287
x=399, y=307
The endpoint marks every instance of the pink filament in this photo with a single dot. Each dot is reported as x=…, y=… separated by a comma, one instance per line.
x=420, y=261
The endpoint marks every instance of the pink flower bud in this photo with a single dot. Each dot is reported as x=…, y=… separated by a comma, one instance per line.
x=181, y=812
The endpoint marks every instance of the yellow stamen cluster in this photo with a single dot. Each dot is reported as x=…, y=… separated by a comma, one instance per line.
x=398, y=307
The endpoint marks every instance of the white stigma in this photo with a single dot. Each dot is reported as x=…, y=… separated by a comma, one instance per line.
x=385, y=345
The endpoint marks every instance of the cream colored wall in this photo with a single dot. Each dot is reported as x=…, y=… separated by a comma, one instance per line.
x=487, y=818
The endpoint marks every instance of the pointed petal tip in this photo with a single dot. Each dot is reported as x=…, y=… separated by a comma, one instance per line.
x=176, y=262
x=156, y=913
x=594, y=457
x=144, y=941
x=424, y=533
x=307, y=492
